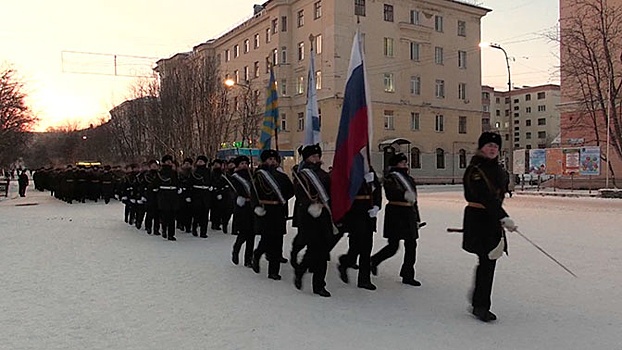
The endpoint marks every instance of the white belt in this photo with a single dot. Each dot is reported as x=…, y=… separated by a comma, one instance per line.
x=168, y=187
x=201, y=187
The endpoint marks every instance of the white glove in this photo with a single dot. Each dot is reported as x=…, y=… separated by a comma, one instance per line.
x=116, y=196
x=369, y=177
x=373, y=212
x=132, y=200
x=143, y=199
x=219, y=197
x=180, y=190
x=315, y=210
x=211, y=188
x=410, y=197
x=188, y=200
x=508, y=224
x=140, y=201
x=240, y=201
x=259, y=211
x=124, y=198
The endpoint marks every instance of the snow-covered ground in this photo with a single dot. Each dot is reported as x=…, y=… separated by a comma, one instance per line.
x=78, y=277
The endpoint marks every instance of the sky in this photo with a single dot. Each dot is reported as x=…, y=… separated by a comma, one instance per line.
x=64, y=50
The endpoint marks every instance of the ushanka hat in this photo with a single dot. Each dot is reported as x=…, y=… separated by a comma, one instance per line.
x=269, y=153
x=396, y=158
x=239, y=159
x=488, y=137
x=310, y=150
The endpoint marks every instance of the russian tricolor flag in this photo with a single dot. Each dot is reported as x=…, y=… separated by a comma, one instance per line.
x=351, y=161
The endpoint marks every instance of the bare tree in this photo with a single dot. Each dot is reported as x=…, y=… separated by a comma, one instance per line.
x=16, y=118
x=591, y=67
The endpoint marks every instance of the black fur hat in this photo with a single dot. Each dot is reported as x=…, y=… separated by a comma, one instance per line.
x=269, y=153
x=203, y=158
x=239, y=159
x=167, y=157
x=152, y=161
x=310, y=150
x=488, y=137
x=396, y=158
x=188, y=160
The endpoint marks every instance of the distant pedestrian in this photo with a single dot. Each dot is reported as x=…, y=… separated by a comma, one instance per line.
x=22, y=182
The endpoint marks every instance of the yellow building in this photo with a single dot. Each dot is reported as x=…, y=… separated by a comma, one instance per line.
x=423, y=66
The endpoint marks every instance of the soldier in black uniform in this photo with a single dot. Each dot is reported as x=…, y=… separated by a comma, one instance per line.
x=127, y=192
x=94, y=188
x=401, y=219
x=107, y=182
x=243, y=212
x=168, y=191
x=228, y=195
x=81, y=184
x=150, y=198
x=201, y=196
x=184, y=216
x=216, y=208
x=485, y=219
x=360, y=223
x=139, y=195
x=272, y=190
x=315, y=222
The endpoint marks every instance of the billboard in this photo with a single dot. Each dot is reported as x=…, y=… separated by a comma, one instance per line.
x=571, y=161
x=537, y=161
x=519, y=160
x=554, y=160
x=590, y=160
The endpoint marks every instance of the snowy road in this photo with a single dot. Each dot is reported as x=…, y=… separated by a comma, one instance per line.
x=77, y=277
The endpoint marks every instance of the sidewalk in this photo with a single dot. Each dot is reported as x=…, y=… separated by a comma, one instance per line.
x=549, y=191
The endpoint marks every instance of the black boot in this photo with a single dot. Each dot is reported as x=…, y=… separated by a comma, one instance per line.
x=343, y=273
x=255, y=263
x=273, y=270
x=411, y=282
x=322, y=292
x=235, y=257
x=484, y=315
x=298, y=274
x=366, y=285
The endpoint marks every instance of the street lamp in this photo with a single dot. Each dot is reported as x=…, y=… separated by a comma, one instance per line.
x=510, y=165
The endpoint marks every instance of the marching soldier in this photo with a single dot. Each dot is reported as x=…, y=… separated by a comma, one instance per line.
x=150, y=198
x=360, y=223
x=315, y=222
x=201, y=196
x=168, y=191
x=216, y=209
x=401, y=219
x=228, y=195
x=127, y=190
x=272, y=191
x=184, y=216
x=107, y=182
x=139, y=195
x=243, y=212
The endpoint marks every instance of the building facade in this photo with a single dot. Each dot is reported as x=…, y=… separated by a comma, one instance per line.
x=423, y=68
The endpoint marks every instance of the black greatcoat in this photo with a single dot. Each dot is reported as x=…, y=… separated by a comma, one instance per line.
x=400, y=222
x=484, y=184
x=243, y=216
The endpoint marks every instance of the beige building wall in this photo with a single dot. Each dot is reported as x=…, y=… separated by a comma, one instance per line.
x=397, y=111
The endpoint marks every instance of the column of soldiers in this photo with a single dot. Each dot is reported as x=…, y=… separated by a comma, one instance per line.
x=79, y=183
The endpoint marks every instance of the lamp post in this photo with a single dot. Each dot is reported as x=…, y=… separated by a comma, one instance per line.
x=245, y=133
x=510, y=158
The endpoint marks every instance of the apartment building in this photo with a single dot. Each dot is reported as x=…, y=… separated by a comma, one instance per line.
x=423, y=68
x=535, y=115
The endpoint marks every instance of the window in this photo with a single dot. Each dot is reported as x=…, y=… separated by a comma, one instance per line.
x=515, y=116
x=247, y=75
x=283, y=122
x=359, y=8
x=542, y=108
x=268, y=35
x=516, y=108
x=507, y=112
x=440, y=158
x=497, y=125
x=440, y=89
x=497, y=100
x=283, y=23
x=461, y=28
x=498, y=113
x=256, y=69
x=317, y=10
x=301, y=121
x=528, y=146
x=528, y=122
x=414, y=121
x=388, y=47
x=256, y=42
x=318, y=44
x=516, y=122
x=462, y=159
x=415, y=158
x=301, y=51
x=528, y=97
x=283, y=87
x=528, y=135
x=227, y=55
x=507, y=100
x=462, y=125
x=300, y=85
x=275, y=26
x=388, y=120
x=438, y=55
x=541, y=121
x=438, y=23
x=528, y=110
x=236, y=76
x=485, y=108
x=541, y=134
x=462, y=59
x=415, y=85
x=388, y=13
x=414, y=17
x=300, y=18
x=247, y=46
x=485, y=95
x=439, y=126
x=236, y=51
x=318, y=80
x=415, y=50
x=389, y=84
x=275, y=58
x=541, y=95
x=462, y=91
x=283, y=54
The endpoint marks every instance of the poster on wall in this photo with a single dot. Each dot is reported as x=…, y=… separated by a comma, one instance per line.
x=590, y=160
x=571, y=161
x=518, y=161
x=554, y=161
x=537, y=161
